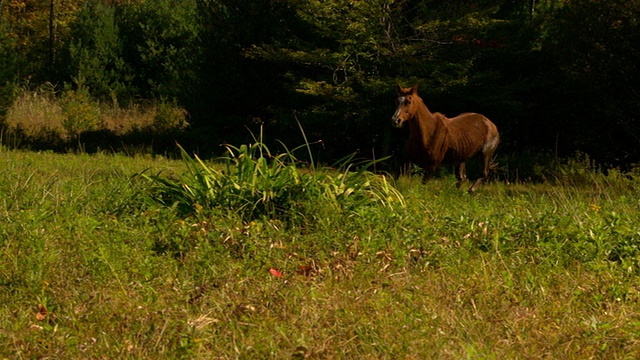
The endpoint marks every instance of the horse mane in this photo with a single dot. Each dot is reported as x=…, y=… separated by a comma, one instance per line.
x=441, y=117
x=432, y=139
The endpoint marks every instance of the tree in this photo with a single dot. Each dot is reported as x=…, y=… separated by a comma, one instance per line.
x=552, y=74
x=7, y=70
x=40, y=29
x=126, y=51
x=596, y=47
x=95, y=54
x=234, y=88
x=159, y=39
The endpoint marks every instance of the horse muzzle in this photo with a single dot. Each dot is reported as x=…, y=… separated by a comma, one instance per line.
x=397, y=122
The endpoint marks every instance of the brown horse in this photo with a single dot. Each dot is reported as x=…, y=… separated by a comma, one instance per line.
x=435, y=139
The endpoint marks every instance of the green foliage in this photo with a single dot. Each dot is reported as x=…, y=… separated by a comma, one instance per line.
x=7, y=71
x=123, y=51
x=256, y=184
x=169, y=117
x=95, y=53
x=159, y=40
x=594, y=44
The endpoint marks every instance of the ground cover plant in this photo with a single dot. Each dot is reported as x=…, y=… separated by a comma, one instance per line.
x=93, y=266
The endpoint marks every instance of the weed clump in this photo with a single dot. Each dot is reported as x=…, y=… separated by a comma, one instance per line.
x=254, y=183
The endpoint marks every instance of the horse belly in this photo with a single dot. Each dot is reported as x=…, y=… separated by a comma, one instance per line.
x=453, y=157
x=462, y=150
x=467, y=138
x=422, y=157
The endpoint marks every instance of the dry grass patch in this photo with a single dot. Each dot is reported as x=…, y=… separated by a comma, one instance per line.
x=35, y=112
x=44, y=115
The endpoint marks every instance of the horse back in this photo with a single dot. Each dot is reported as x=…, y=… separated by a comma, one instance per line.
x=470, y=133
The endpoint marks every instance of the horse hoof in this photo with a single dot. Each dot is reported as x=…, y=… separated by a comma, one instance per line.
x=475, y=185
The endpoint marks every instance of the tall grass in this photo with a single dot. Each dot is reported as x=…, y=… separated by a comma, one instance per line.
x=54, y=119
x=91, y=269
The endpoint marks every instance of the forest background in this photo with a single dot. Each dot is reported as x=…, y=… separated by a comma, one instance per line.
x=558, y=77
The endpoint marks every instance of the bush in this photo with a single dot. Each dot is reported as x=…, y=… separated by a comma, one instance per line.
x=81, y=112
x=169, y=117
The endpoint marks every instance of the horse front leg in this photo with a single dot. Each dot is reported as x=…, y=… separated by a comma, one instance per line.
x=426, y=176
x=429, y=171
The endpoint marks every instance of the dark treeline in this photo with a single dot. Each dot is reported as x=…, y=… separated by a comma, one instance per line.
x=556, y=76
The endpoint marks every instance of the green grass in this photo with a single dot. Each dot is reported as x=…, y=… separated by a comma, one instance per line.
x=90, y=267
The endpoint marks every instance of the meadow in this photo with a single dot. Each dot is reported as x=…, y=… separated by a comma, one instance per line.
x=112, y=256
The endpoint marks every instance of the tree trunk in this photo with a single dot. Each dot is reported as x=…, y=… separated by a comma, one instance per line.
x=52, y=34
x=533, y=8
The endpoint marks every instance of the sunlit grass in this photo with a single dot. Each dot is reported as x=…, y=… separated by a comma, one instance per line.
x=91, y=269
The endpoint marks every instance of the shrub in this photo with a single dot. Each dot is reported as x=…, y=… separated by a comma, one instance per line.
x=81, y=112
x=169, y=117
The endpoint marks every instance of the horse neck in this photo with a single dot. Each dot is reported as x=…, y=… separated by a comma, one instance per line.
x=425, y=123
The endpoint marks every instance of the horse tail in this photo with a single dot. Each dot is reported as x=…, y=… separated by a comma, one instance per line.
x=492, y=138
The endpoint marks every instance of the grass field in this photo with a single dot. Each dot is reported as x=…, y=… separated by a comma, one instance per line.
x=92, y=267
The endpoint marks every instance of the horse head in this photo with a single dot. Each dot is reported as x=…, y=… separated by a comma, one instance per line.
x=406, y=105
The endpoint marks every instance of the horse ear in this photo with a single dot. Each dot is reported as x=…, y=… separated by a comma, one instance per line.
x=399, y=89
x=414, y=89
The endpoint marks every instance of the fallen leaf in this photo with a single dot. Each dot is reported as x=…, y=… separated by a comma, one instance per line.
x=306, y=270
x=275, y=273
x=42, y=312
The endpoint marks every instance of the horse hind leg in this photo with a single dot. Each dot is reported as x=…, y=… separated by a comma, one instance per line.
x=487, y=163
x=486, y=166
x=481, y=179
x=478, y=182
x=475, y=185
x=489, y=148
